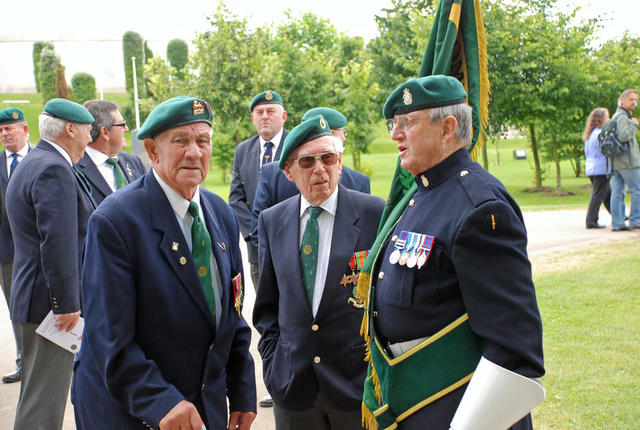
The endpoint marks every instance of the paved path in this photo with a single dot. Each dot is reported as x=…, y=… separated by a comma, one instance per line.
x=549, y=232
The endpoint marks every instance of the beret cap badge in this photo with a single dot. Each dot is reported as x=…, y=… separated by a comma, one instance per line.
x=323, y=123
x=198, y=107
x=268, y=96
x=15, y=115
x=407, y=98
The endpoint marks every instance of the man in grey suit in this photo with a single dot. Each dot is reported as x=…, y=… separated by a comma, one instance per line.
x=49, y=210
x=14, y=135
x=268, y=117
x=104, y=164
x=311, y=248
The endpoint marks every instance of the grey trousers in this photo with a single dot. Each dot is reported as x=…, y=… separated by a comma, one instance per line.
x=46, y=375
x=7, y=271
x=322, y=416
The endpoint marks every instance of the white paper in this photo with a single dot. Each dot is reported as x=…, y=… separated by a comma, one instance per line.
x=68, y=340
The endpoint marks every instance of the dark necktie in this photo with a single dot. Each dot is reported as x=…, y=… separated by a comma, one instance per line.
x=309, y=251
x=201, y=252
x=14, y=163
x=121, y=181
x=84, y=182
x=268, y=152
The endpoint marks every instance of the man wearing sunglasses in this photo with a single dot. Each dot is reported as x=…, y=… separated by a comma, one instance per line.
x=274, y=187
x=105, y=165
x=311, y=249
x=452, y=320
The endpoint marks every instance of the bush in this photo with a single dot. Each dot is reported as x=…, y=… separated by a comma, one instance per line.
x=84, y=87
x=37, y=51
x=178, y=53
x=62, y=90
x=48, y=71
x=132, y=46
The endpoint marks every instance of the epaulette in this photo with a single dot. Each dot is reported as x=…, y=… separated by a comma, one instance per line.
x=476, y=186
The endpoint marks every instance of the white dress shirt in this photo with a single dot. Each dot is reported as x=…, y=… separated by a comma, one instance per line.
x=61, y=150
x=105, y=169
x=180, y=207
x=20, y=153
x=274, y=148
x=325, y=225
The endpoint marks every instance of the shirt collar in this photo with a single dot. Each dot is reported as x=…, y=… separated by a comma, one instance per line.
x=179, y=204
x=330, y=205
x=275, y=140
x=61, y=150
x=96, y=156
x=20, y=153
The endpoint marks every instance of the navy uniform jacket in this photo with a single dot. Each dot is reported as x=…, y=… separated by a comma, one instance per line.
x=282, y=313
x=48, y=214
x=6, y=238
x=149, y=339
x=244, y=182
x=274, y=187
x=131, y=166
x=478, y=265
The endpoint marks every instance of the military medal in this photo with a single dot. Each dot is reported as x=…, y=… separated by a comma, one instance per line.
x=129, y=171
x=400, y=243
x=414, y=250
x=404, y=257
x=425, y=250
x=355, y=264
x=237, y=292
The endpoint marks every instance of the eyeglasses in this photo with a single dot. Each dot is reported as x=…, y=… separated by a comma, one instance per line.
x=122, y=124
x=344, y=131
x=309, y=161
x=404, y=122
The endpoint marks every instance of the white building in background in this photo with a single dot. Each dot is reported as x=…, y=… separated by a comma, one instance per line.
x=100, y=58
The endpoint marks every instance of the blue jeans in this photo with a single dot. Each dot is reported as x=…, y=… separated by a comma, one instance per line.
x=620, y=179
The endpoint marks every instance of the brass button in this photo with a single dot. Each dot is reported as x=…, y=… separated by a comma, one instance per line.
x=315, y=327
x=464, y=173
x=412, y=203
x=381, y=275
x=316, y=360
x=183, y=261
x=394, y=238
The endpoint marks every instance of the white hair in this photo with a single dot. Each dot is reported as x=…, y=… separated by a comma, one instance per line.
x=339, y=146
x=462, y=113
x=50, y=127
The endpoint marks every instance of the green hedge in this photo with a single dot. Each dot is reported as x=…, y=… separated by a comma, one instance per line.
x=37, y=51
x=178, y=53
x=48, y=66
x=132, y=46
x=84, y=87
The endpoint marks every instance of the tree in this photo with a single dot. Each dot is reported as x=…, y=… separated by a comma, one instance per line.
x=132, y=46
x=37, y=50
x=178, y=53
x=48, y=72
x=84, y=87
x=62, y=90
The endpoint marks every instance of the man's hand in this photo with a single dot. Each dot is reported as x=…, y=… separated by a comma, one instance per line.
x=66, y=322
x=183, y=416
x=241, y=420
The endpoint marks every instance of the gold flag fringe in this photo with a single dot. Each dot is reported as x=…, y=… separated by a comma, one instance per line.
x=485, y=89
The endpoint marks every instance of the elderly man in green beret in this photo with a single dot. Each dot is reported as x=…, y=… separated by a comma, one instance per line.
x=452, y=322
x=48, y=206
x=311, y=248
x=268, y=116
x=14, y=136
x=165, y=345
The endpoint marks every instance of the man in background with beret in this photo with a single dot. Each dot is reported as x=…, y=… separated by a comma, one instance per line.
x=268, y=117
x=450, y=294
x=274, y=187
x=311, y=249
x=14, y=135
x=48, y=207
x=105, y=164
x=165, y=344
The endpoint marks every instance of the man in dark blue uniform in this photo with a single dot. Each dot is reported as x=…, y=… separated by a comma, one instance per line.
x=165, y=345
x=451, y=298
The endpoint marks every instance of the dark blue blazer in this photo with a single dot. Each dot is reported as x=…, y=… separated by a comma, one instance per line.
x=149, y=337
x=274, y=187
x=131, y=166
x=6, y=238
x=282, y=313
x=244, y=182
x=48, y=214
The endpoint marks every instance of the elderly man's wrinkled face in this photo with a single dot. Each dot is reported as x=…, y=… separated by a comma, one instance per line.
x=181, y=156
x=268, y=119
x=315, y=167
x=14, y=136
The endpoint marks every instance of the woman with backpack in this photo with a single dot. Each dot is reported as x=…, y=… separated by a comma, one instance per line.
x=596, y=166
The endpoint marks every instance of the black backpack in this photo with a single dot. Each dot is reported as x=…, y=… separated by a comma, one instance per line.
x=609, y=143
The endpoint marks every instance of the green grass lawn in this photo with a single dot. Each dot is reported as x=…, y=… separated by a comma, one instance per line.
x=589, y=303
x=517, y=175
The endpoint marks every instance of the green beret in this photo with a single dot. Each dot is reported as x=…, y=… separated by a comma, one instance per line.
x=11, y=115
x=424, y=93
x=173, y=113
x=313, y=128
x=333, y=117
x=68, y=111
x=265, y=98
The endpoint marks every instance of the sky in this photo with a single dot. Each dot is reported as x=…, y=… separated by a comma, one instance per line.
x=75, y=25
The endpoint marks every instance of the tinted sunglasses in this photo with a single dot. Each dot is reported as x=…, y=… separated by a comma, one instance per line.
x=309, y=161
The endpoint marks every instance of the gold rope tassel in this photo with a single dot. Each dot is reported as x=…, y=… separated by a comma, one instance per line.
x=368, y=420
x=485, y=89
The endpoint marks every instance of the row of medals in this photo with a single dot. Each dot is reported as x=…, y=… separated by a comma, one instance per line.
x=415, y=255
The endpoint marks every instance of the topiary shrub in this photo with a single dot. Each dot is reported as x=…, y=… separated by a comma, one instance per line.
x=132, y=46
x=178, y=53
x=84, y=87
x=37, y=51
x=48, y=66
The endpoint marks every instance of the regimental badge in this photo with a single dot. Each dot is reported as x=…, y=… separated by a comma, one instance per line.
x=222, y=246
x=307, y=249
x=129, y=171
x=198, y=108
x=237, y=293
x=407, y=98
x=323, y=123
x=268, y=96
x=15, y=115
x=174, y=246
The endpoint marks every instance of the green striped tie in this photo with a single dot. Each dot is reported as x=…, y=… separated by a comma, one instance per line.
x=121, y=181
x=201, y=252
x=309, y=251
